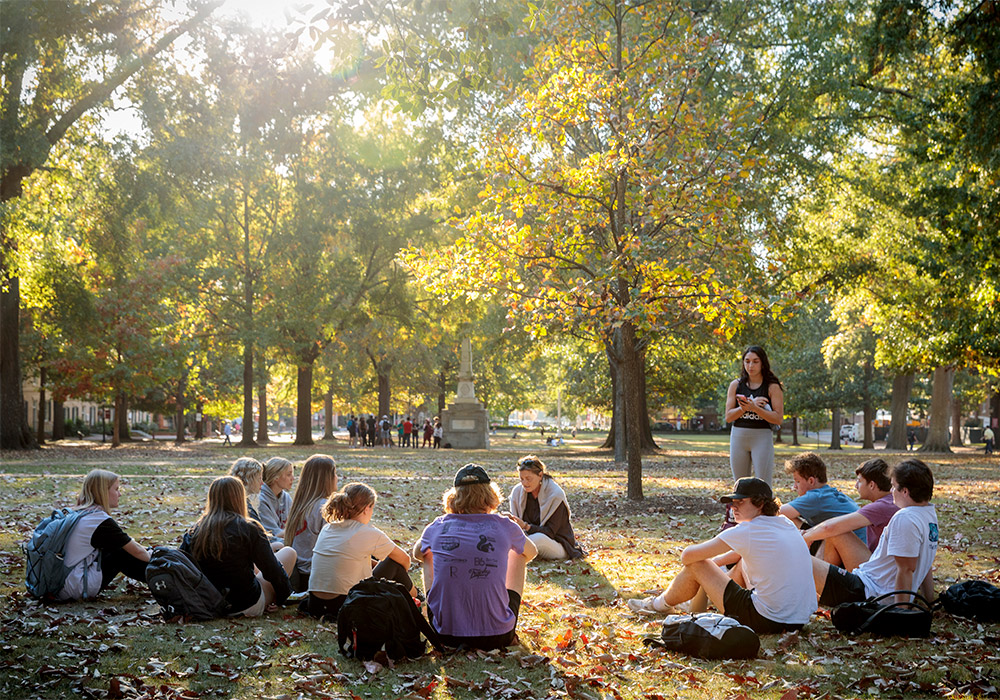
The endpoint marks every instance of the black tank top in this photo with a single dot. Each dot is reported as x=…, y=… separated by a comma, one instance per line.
x=751, y=419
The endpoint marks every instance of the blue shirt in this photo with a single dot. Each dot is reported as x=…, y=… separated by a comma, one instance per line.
x=825, y=502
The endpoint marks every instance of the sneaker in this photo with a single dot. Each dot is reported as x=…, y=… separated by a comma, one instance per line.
x=646, y=606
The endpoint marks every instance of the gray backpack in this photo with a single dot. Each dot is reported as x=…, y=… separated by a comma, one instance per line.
x=180, y=587
x=45, y=566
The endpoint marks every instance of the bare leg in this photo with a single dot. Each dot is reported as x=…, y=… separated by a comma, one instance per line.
x=286, y=556
x=850, y=552
x=820, y=571
x=704, y=574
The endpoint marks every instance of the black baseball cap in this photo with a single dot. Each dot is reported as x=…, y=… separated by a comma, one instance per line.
x=747, y=487
x=471, y=474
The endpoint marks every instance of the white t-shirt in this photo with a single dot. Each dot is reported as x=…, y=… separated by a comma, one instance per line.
x=343, y=555
x=912, y=532
x=777, y=568
x=82, y=558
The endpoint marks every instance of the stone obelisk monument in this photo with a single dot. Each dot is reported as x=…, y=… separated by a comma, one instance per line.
x=465, y=422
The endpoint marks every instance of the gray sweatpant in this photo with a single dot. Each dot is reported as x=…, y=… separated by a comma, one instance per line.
x=751, y=446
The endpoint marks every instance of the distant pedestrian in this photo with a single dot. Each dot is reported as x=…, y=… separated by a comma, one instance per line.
x=438, y=433
x=408, y=432
x=372, y=430
x=988, y=439
x=227, y=430
x=352, y=430
x=911, y=438
x=428, y=432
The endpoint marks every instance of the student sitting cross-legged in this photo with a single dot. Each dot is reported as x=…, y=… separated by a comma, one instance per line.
x=904, y=557
x=843, y=547
x=349, y=550
x=817, y=501
x=768, y=588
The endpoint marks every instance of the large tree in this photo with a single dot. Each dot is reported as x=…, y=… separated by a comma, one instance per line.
x=61, y=60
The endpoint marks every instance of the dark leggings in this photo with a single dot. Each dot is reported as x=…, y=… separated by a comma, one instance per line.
x=486, y=643
x=118, y=561
x=329, y=607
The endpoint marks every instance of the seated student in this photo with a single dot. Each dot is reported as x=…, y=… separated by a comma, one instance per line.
x=905, y=553
x=275, y=500
x=305, y=518
x=346, y=549
x=540, y=507
x=227, y=546
x=251, y=473
x=843, y=547
x=817, y=500
x=768, y=589
x=474, y=563
x=97, y=549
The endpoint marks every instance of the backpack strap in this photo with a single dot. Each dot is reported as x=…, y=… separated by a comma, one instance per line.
x=919, y=603
x=425, y=627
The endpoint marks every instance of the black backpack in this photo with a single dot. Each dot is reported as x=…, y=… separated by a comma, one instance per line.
x=976, y=599
x=707, y=636
x=377, y=614
x=180, y=587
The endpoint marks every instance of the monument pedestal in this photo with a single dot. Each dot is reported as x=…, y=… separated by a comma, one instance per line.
x=466, y=426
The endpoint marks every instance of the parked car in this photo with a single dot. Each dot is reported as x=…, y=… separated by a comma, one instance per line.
x=849, y=432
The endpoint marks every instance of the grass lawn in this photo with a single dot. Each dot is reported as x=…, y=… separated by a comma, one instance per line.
x=577, y=638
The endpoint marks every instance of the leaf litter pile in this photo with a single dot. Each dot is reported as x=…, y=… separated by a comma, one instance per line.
x=577, y=638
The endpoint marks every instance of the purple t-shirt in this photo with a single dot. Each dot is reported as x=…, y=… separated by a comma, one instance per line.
x=878, y=513
x=468, y=596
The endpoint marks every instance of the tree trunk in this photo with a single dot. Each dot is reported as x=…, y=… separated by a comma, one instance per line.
x=179, y=423
x=41, y=406
x=442, y=389
x=199, y=426
x=937, y=436
x=634, y=416
x=869, y=413
x=121, y=418
x=620, y=408
x=795, y=431
x=835, y=433
x=262, y=438
x=116, y=425
x=303, y=405
x=956, y=423
x=14, y=431
x=777, y=435
x=902, y=385
x=246, y=432
x=328, y=414
x=58, y=420
x=384, y=392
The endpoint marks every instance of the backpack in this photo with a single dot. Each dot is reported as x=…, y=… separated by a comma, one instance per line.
x=909, y=619
x=45, y=568
x=181, y=588
x=380, y=613
x=707, y=636
x=976, y=599
x=385, y=425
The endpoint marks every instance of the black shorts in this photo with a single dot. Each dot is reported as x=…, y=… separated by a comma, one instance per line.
x=842, y=587
x=486, y=643
x=738, y=604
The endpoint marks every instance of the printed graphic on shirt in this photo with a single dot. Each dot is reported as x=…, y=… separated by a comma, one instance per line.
x=449, y=544
x=932, y=532
x=484, y=567
x=486, y=543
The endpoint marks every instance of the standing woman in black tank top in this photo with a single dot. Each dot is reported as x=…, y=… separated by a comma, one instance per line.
x=754, y=403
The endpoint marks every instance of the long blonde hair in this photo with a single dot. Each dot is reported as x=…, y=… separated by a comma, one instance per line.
x=348, y=502
x=227, y=499
x=317, y=480
x=273, y=468
x=94, y=491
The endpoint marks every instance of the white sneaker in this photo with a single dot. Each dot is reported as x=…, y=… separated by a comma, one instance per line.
x=646, y=606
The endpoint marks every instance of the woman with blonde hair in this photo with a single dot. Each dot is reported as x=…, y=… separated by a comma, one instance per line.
x=481, y=558
x=275, y=500
x=305, y=519
x=97, y=550
x=539, y=506
x=345, y=550
x=228, y=546
x=251, y=473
